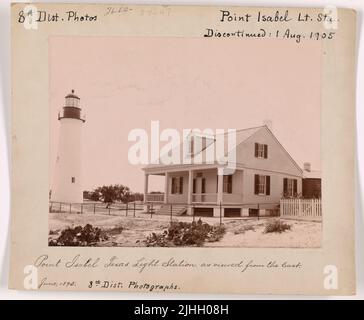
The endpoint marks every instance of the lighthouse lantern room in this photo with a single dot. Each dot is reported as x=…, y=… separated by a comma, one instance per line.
x=67, y=184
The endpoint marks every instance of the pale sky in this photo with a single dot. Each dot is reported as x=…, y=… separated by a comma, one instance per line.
x=125, y=82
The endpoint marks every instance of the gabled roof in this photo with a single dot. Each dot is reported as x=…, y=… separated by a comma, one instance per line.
x=241, y=136
x=294, y=162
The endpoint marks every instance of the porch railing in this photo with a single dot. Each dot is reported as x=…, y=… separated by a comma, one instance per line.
x=212, y=198
x=155, y=197
x=236, y=198
x=204, y=197
x=232, y=198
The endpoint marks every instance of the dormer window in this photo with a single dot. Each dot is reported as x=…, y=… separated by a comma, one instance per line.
x=261, y=150
x=192, y=144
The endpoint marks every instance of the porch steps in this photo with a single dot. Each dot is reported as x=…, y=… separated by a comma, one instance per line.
x=177, y=210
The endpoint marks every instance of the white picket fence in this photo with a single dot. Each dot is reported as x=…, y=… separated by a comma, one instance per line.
x=301, y=209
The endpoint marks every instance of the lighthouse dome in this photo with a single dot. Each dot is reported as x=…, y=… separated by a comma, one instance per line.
x=71, y=109
x=72, y=95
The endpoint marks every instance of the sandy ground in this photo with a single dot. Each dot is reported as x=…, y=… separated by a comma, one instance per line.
x=250, y=233
x=244, y=232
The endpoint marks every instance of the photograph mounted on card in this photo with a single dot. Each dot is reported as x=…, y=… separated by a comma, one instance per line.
x=216, y=149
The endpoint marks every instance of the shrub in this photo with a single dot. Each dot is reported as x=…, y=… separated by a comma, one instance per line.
x=186, y=234
x=79, y=236
x=276, y=226
x=157, y=240
x=243, y=229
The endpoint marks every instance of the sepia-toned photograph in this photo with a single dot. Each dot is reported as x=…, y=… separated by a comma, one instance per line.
x=184, y=142
x=168, y=149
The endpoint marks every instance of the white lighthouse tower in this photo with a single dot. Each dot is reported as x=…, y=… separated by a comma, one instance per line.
x=67, y=186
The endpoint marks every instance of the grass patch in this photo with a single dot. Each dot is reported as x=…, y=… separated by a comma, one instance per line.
x=277, y=226
x=114, y=231
x=243, y=229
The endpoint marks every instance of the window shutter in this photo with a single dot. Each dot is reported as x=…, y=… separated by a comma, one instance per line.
x=256, y=150
x=267, y=185
x=173, y=185
x=294, y=187
x=256, y=184
x=265, y=151
x=230, y=184
x=181, y=185
x=285, y=186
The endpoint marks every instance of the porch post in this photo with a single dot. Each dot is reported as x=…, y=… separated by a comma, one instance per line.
x=220, y=181
x=190, y=183
x=166, y=178
x=146, y=176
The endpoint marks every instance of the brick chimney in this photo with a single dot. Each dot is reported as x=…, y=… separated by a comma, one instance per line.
x=307, y=166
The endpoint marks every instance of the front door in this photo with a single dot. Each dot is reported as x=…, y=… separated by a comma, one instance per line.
x=199, y=188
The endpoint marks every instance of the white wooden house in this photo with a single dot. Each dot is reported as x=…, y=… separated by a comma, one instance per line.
x=264, y=173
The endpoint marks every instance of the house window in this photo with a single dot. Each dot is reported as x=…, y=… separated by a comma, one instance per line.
x=261, y=150
x=177, y=185
x=203, y=185
x=289, y=187
x=228, y=184
x=73, y=179
x=262, y=185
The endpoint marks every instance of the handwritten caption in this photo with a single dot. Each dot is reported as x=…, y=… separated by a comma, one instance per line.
x=250, y=25
x=242, y=23
x=143, y=265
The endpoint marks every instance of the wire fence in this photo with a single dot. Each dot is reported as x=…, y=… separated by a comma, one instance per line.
x=173, y=212
x=127, y=209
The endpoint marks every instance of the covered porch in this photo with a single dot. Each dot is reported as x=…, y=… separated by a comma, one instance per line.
x=197, y=186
